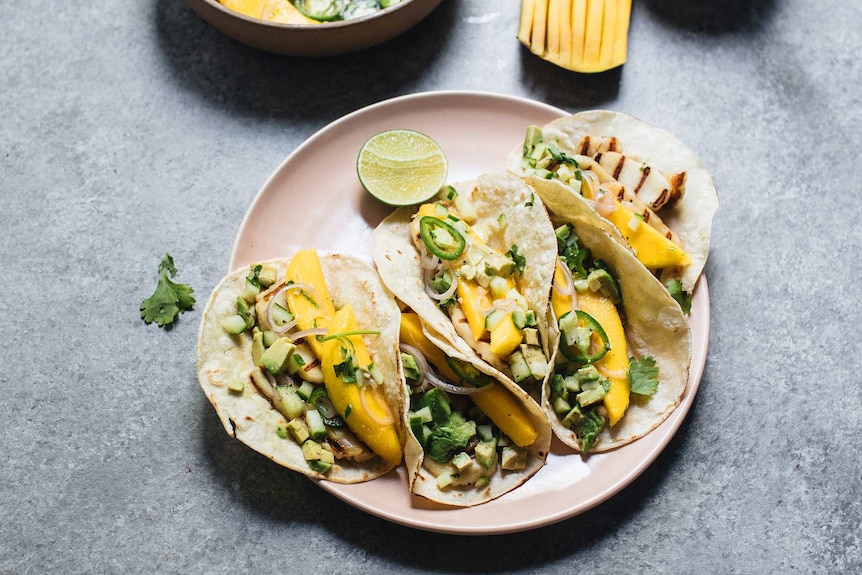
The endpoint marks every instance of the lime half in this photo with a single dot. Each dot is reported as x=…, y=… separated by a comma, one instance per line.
x=401, y=167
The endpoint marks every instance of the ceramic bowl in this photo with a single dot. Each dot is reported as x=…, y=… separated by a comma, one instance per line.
x=327, y=39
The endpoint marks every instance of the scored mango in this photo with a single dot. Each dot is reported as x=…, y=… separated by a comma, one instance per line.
x=362, y=407
x=579, y=35
x=651, y=248
x=616, y=359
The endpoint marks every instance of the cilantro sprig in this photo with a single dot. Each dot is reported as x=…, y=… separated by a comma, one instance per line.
x=643, y=375
x=169, y=299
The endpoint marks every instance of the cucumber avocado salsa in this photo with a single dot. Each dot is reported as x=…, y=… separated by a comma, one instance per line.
x=298, y=360
x=475, y=265
x=471, y=438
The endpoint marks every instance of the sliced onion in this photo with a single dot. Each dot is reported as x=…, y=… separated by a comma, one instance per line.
x=282, y=329
x=387, y=420
x=421, y=362
x=307, y=332
x=615, y=373
x=427, y=260
x=570, y=290
x=439, y=296
x=605, y=205
x=592, y=181
x=456, y=389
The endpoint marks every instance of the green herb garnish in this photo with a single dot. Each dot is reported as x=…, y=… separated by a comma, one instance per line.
x=643, y=375
x=169, y=299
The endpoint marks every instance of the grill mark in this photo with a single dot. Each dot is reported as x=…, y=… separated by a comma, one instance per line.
x=619, y=167
x=612, y=144
x=598, y=158
x=585, y=146
x=644, y=175
x=660, y=200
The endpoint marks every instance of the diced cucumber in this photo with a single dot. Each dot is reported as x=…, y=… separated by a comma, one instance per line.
x=304, y=391
x=520, y=368
x=269, y=338
x=485, y=432
x=280, y=314
x=444, y=480
x=591, y=396
x=466, y=208
x=250, y=291
x=561, y=406
x=316, y=427
x=494, y=317
x=498, y=286
x=482, y=481
x=435, y=399
x=287, y=402
x=234, y=324
x=424, y=414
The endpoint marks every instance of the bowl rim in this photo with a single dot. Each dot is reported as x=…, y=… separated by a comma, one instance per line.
x=328, y=25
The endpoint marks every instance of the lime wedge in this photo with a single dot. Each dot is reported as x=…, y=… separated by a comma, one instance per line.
x=401, y=167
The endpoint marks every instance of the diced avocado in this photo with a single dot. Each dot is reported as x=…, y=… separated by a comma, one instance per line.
x=275, y=358
x=519, y=318
x=536, y=361
x=411, y=368
x=257, y=347
x=435, y=399
x=267, y=276
x=444, y=480
x=494, y=317
x=318, y=458
x=298, y=429
x=234, y=324
x=462, y=460
x=319, y=466
x=600, y=280
x=450, y=437
x=486, y=453
x=531, y=336
x=533, y=137
x=312, y=450
x=587, y=373
x=281, y=431
x=482, y=481
x=493, y=262
x=236, y=386
x=591, y=396
x=316, y=427
x=418, y=428
x=520, y=368
x=287, y=402
x=572, y=383
x=269, y=337
x=513, y=458
x=244, y=312
x=574, y=417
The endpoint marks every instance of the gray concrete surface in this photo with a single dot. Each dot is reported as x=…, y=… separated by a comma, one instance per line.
x=133, y=128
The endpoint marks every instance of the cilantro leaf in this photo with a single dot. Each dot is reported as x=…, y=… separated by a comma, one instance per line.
x=520, y=260
x=169, y=299
x=674, y=288
x=643, y=375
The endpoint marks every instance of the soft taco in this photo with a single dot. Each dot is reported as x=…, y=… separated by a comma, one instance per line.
x=472, y=435
x=476, y=265
x=623, y=345
x=299, y=358
x=637, y=182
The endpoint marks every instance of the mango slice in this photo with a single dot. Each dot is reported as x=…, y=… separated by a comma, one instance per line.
x=473, y=301
x=505, y=337
x=616, y=360
x=498, y=403
x=310, y=309
x=362, y=407
x=652, y=249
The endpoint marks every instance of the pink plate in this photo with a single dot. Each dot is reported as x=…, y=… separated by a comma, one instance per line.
x=315, y=199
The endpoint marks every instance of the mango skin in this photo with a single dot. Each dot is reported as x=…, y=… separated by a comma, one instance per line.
x=346, y=397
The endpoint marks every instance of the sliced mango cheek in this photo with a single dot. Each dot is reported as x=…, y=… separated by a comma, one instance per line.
x=653, y=249
x=362, y=410
x=507, y=413
x=311, y=309
x=616, y=360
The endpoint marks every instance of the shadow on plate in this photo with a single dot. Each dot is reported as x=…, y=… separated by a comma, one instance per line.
x=251, y=82
x=717, y=17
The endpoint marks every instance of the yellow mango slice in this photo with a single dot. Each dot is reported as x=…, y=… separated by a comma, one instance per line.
x=473, y=300
x=653, y=249
x=507, y=413
x=561, y=303
x=579, y=29
x=621, y=37
x=525, y=25
x=616, y=360
x=505, y=337
x=497, y=402
x=593, y=33
x=411, y=334
x=362, y=414
x=310, y=309
x=539, y=31
x=281, y=11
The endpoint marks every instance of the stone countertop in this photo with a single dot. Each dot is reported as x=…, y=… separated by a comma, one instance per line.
x=133, y=128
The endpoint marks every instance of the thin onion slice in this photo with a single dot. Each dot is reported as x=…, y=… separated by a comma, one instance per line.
x=427, y=260
x=387, y=419
x=615, y=373
x=455, y=389
x=282, y=329
x=306, y=332
x=421, y=362
x=439, y=296
x=569, y=290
